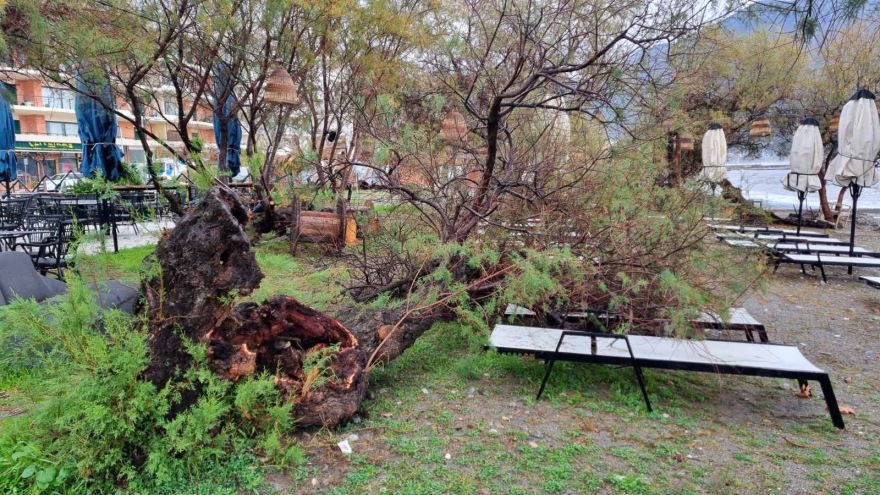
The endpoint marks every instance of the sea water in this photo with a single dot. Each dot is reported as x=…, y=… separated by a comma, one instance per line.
x=764, y=183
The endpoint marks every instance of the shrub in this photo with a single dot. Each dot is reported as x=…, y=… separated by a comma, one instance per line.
x=94, y=426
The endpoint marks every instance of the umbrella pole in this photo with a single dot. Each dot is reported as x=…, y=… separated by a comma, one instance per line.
x=8, y=192
x=801, y=196
x=855, y=191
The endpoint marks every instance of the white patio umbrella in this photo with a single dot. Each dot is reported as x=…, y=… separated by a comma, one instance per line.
x=714, y=155
x=858, y=144
x=806, y=162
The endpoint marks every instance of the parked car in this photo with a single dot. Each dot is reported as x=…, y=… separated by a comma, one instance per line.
x=169, y=170
x=63, y=182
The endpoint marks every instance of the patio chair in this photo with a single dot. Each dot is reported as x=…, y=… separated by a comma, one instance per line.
x=844, y=215
x=708, y=356
x=50, y=253
x=12, y=213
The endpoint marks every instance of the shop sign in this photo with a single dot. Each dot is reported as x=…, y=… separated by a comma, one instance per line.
x=46, y=146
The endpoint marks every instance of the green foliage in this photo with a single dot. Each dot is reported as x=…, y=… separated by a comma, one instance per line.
x=95, y=426
x=316, y=367
x=97, y=185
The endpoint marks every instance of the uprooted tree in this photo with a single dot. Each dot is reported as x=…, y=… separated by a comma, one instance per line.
x=194, y=276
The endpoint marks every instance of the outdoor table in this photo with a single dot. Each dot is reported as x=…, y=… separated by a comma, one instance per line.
x=105, y=211
x=8, y=237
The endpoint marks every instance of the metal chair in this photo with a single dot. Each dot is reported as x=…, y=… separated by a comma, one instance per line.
x=50, y=252
x=12, y=212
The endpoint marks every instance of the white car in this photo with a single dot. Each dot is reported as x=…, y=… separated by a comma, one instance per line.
x=63, y=182
x=169, y=170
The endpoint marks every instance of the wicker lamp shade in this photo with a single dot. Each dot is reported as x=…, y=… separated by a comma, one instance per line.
x=454, y=128
x=760, y=127
x=834, y=123
x=686, y=142
x=280, y=88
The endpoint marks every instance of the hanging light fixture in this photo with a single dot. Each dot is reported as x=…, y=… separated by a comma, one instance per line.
x=686, y=142
x=454, y=128
x=280, y=88
x=760, y=127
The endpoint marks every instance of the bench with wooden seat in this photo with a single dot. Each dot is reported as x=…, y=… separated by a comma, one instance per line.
x=821, y=261
x=871, y=281
x=709, y=356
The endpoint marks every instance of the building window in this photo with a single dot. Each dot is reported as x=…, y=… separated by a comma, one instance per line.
x=66, y=164
x=59, y=98
x=62, y=129
x=11, y=94
x=49, y=167
x=17, y=125
x=137, y=156
x=174, y=136
x=170, y=108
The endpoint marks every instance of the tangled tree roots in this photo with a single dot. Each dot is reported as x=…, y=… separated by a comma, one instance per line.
x=196, y=268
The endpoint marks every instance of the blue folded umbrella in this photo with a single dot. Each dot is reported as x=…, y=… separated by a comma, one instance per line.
x=97, y=131
x=8, y=170
x=225, y=118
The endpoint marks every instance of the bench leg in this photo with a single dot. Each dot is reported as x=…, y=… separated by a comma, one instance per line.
x=822, y=269
x=762, y=334
x=804, y=270
x=546, y=376
x=831, y=402
x=641, y=380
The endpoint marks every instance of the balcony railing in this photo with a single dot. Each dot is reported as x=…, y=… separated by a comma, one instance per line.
x=55, y=102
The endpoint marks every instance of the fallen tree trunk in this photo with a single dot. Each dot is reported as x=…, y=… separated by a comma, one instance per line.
x=196, y=271
x=792, y=219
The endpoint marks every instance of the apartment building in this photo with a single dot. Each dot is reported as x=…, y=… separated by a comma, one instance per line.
x=47, y=136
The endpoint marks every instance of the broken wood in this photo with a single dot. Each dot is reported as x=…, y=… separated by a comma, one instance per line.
x=197, y=270
x=792, y=219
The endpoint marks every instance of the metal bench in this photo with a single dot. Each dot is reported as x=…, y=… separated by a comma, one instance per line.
x=738, y=319
x=820, y=261
x=708, y=356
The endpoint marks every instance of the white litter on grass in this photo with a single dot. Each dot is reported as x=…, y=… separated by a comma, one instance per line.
x=345, y=447
x=448, y=456
x=425, y=391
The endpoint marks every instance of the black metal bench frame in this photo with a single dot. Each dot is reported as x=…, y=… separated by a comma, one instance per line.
x=607, y=318
x=828, y=261
x=638, y=363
